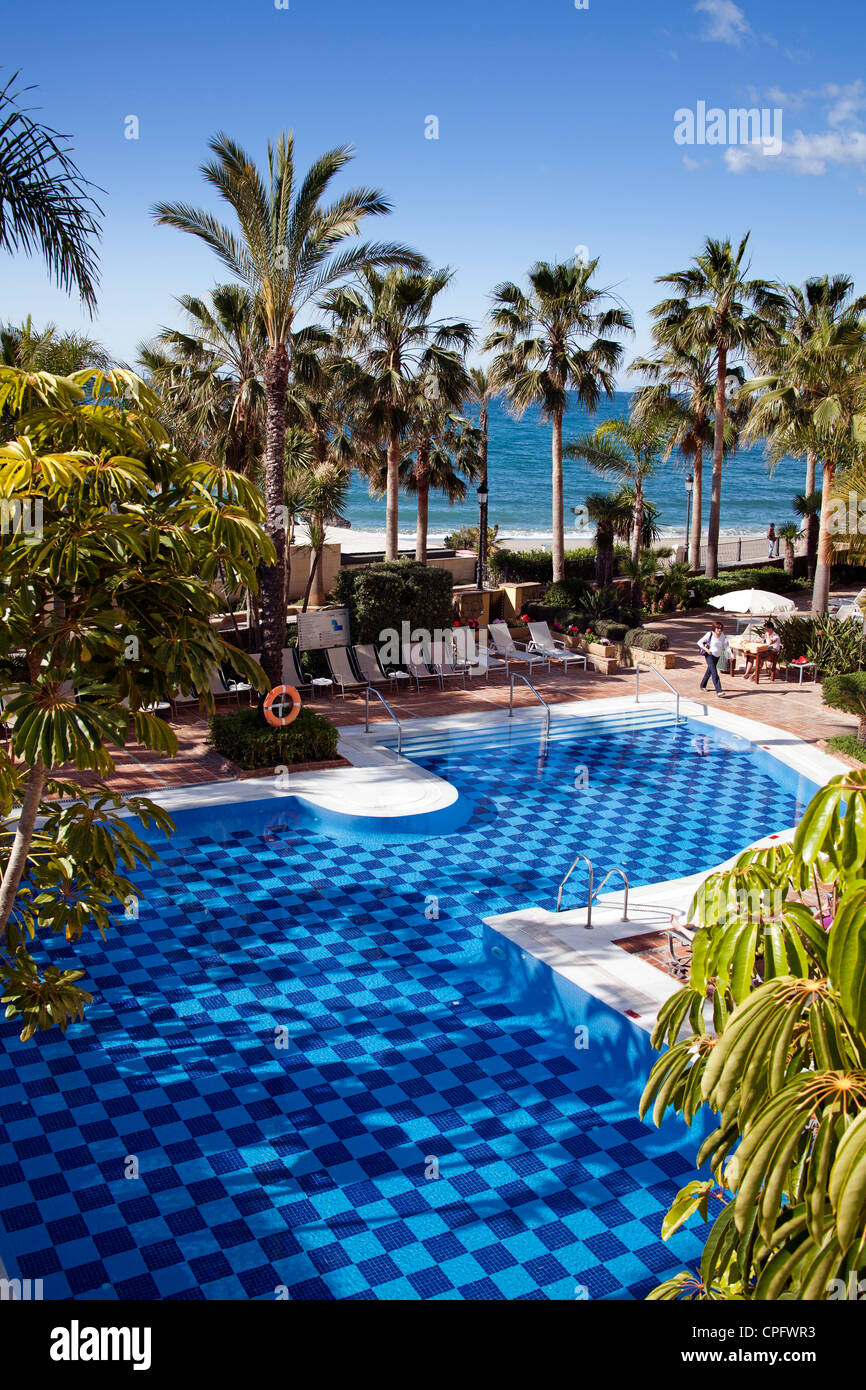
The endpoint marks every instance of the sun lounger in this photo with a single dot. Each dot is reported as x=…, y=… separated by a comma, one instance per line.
x=542, y=640
x=443, y=664
x=291, y=670
x=416, y=664
x=369, y=665
x=216, y=686
x=238, y=687
x=476, y=659
x=342, y=671
x=509, y=650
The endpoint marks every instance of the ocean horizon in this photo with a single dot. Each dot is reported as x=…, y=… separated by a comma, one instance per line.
x=520, y=487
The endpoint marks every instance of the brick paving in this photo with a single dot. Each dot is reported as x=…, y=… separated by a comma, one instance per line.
x=798, y=709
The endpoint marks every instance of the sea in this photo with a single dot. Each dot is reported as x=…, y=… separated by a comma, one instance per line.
x=520, y=490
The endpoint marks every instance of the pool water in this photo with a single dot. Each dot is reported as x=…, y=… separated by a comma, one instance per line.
x=310, y=1072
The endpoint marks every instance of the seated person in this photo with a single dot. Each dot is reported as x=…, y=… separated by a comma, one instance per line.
x=771, y=643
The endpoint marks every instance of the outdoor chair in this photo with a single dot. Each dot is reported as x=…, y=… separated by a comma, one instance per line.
x=542, y=640
x=416, y=664
x=369, y=665
x=341, y=670
x=443, y=664
x=475, y=659
x=238, y=687
x=216, y=686
x=505, y=647
x=291, y=672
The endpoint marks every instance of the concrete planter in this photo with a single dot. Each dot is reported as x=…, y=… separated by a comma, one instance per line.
x=662, y=661
x=515, y=598
x=603, y=659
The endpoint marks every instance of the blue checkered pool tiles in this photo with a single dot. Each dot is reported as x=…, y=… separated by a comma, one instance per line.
x=309, y=1072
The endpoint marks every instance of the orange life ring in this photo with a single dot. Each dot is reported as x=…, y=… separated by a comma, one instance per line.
x=275, y=697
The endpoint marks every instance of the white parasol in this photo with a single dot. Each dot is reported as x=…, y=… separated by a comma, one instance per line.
x=754, y=603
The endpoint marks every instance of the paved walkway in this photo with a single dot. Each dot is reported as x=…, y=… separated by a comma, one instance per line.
x=799, y=709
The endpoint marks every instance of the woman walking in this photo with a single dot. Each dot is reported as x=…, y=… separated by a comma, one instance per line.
x=713, y=646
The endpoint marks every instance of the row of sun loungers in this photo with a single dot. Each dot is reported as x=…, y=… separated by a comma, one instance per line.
x=459, y=657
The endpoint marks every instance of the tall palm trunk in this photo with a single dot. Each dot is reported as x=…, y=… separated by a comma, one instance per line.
x=694, y=555
x=422, y=479
x=810, y=472
x=718, y=455
x=558, y=514
x=821, y=587
x=482, y=511
x=391, y=503
x=276, y=382
x=636, y=538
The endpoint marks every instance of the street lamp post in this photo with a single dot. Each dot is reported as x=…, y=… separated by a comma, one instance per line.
x=482, y=534
x=690, y=482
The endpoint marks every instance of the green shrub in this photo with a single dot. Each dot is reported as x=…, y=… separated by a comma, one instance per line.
x=607, y=627
x=387, y=594
x=847, y=691
x=536, y=566
x=836, y=648
x=646, y=640
x=569, y=593
x=249, y=743
x=466, y=538
x=774, y=580
x=795, y=635
x=849, y=744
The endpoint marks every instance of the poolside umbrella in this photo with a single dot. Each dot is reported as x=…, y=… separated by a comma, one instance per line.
x=754, y=603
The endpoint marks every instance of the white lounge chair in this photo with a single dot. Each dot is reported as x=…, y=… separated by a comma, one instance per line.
x=541, y=639
x=474, y=658
x=216, y=686
x=509, y=650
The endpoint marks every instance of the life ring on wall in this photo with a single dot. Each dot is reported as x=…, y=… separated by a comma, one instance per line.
x=277, y=696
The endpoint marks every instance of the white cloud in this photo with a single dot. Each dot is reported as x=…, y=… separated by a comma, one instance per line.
x=803, y=154
x=846, y=101
x=691, y=163
x=727, y=23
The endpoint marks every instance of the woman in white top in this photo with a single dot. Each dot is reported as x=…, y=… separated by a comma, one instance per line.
x=772, y=644
x=713, y=646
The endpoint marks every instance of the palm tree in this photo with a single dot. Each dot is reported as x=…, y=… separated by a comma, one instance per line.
x=629, y=451
x=209, y=375
x=49, y=350
x=288, y=249
x=483, y=390
x=552, y=341
x=789, y=534
x=808, y=506
x=612, y=517
x=821, y=300
x=385, y=327
x=681, y=390
x=45, y=204
x=326, y=491
x=826, y=372
x=719, y=308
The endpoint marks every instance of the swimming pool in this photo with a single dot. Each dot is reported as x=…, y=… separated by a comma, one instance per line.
x=335, y=1083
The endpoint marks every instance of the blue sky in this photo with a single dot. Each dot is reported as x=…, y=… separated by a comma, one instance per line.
x=555, y=131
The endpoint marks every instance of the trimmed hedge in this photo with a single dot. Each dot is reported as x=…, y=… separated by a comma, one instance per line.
x=567, y=594
x=773, y=580
x=536, y=566
x=386, y=594
x=646, y=640
x=242, y=737
x=607, y=627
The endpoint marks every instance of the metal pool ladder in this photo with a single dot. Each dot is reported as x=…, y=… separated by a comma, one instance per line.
x=642, y=666
x=593, y=891
x=370, y=691
x=516, y=676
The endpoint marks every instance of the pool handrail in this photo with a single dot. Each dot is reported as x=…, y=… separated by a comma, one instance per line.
x=588, y=863
x=516, y=676
x=592, y=890
x=370, y=690
x=642, y=666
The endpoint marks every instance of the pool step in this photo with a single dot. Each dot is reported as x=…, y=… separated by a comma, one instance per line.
x=528, y=731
